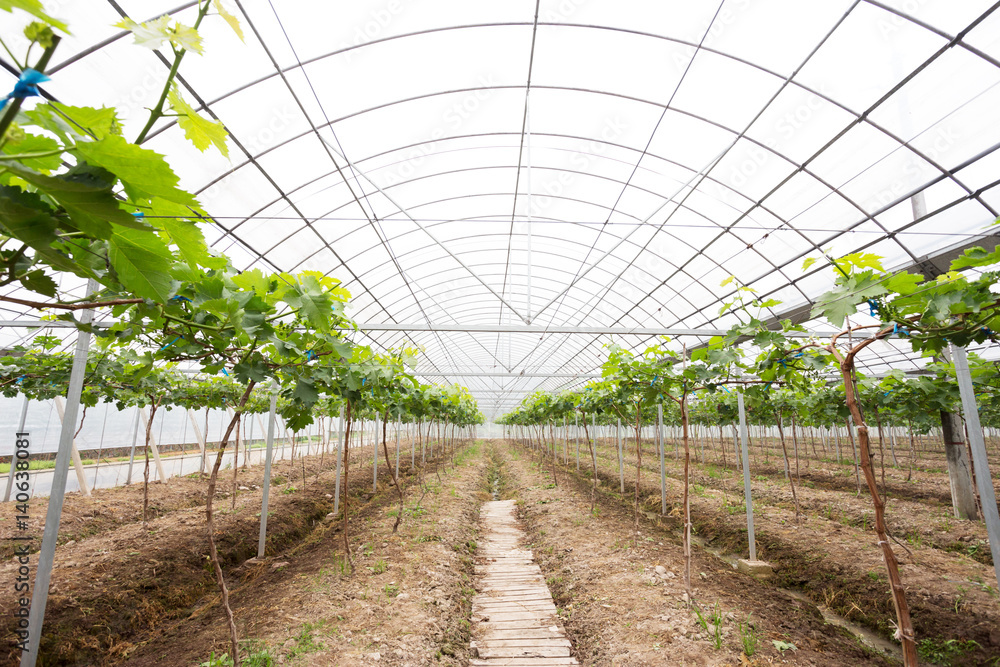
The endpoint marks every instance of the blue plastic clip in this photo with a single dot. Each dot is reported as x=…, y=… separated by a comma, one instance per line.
x=171, y=343
x=20, y=379
x=225, y=372
x=309, y=355
x=26, y=86
x=767, y=387
x=873, y=307
x=139, y=214
x=178, y=297
x=896, y=329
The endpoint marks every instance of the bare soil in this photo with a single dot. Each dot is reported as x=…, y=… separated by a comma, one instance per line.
x=124, y=594
x=831, y=555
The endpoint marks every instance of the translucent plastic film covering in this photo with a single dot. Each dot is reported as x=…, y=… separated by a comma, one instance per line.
x=588, y=163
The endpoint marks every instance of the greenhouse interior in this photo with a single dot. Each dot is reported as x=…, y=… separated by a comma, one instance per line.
x=564, y=332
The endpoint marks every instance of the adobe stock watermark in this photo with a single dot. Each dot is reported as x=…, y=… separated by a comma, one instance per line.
x=727, y=17
x=273, y=129
x=914, y=172
x=889, y=24
x=22, y=539
x=581, y=163
x=451, y=121
x=371, y=29
x=758, y=155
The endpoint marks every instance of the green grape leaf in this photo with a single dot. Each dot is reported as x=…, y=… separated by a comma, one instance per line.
x=85, y=192
x=311, y=300
x=186, y=235
x=144, y=173
x=230, y=19
x=253, y=280
x=97, y=123
x=305, y=391
x=24, y=216
x=38, y=281
x=974, y=257
x=151, y=34
x=35, y=8
x=256, y=371
x=142, y=262
x=836, y=306
x=939, y=305
x=35, y=143
x=187, y=38
x=904, y=283
x=862, y=260
x=39, y=32
x=199, y=130
x=808, y=261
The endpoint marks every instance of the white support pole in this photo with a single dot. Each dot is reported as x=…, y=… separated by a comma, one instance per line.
x=341, y=441
x=267, y=469
x=74, y=452
x=565, y=443
x=399, y=427
x=131, y=454
x=980, y=462
x=527, y=151
x=199, y=438
x=50, y=534
x=746, y=477
x=153, y=447
x=375, y=457
x=663, y=464
x=13, y=458
x=576, y=430
x=621, y=457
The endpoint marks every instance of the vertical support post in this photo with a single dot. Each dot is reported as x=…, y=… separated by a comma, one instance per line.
x=267, y=469
x=399, y=426
x=527, y=152
x=81, y=478
x=156, y=450
x=198, y=437
x=663, y=463
x=565, y=443
x=413, y=444
x=131, y=454
x=47, y=553
x=13, y=458
x=621, y=457
x=576, y=430
x=341, y=440
x=375, y=456
x=746, y=476
x=980, y=462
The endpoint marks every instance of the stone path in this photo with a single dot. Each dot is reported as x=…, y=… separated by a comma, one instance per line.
x=514, y=618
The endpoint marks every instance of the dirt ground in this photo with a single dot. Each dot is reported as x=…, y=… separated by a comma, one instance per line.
x=122, y=594
x=831, y=556
x=125, y=595
x=619, y=611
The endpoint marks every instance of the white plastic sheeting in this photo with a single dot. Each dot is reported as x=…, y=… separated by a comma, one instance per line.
x=106, y=427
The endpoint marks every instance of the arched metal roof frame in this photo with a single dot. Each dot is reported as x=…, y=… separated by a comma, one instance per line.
x=971, y=195
x=867, y=217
